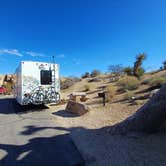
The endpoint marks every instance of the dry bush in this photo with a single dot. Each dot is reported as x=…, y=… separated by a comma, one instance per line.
x=69, y=82
x=158, y=81
x=128, y=83
x=145, y=81
x=87, y=88
x=111, y=92
x=128, y=95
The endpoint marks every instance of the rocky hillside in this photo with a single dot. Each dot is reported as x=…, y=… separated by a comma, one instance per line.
x=123, y=87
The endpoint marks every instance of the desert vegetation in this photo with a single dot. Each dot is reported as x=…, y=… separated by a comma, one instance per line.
x=93, y=74
x=111, y=91
x=68, y=82
x=128, y=83
x=87, y=88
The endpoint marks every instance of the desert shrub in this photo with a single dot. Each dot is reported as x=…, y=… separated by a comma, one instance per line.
x=110, y=92
x=129, y=83
x=69, y=82
x=128, y=71
x=145, y=81
x=158, y=81
x=95, y=73
x=86, y=75
x=87, y=87
x=128, y=95
x=140, y=72
x=116, y=69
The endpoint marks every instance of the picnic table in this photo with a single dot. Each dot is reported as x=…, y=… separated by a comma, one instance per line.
x=78, y=96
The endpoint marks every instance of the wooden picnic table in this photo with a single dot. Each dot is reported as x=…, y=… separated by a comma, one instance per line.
x=78, y=96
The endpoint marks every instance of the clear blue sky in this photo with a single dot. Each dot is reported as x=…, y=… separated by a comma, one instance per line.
x=82, y=34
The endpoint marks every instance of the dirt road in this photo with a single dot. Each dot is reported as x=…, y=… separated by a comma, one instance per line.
x=29, y=138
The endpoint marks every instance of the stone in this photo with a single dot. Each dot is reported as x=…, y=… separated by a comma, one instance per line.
x=153, y=92
x=76, y=108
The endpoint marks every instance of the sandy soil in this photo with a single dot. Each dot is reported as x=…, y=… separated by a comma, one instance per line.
x=90, y=133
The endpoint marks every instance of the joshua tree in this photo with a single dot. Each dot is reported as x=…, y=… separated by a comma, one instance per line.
x=138, y=63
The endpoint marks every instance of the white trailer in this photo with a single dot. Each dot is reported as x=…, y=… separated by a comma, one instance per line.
x=37, y=83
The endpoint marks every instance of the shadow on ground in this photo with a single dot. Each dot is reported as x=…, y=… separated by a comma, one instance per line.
x=97, y=146
x=58, y=150
x=10, y=106
x=149, y=89
x=65, y=114
x=39, y=149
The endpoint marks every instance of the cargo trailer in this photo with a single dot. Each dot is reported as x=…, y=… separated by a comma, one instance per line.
x=37, y=83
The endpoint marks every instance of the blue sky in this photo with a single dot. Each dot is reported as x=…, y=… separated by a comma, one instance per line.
x=82, y=34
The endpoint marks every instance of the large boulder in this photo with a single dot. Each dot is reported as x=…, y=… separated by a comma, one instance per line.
x=76, y=108
x=149, y=118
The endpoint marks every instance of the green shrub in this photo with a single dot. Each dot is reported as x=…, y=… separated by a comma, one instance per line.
x=140, y=72
x=128, y=71
x=158, y=81
x=129, y=83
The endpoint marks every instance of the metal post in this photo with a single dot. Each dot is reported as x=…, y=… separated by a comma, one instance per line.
x=53, y=59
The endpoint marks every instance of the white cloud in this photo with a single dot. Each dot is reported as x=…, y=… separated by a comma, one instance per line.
x=61, y=56
x=11, y=52
x=34, y=54
x=76, y=61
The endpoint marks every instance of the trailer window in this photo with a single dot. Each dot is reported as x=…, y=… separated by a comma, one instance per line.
x=45, y=77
